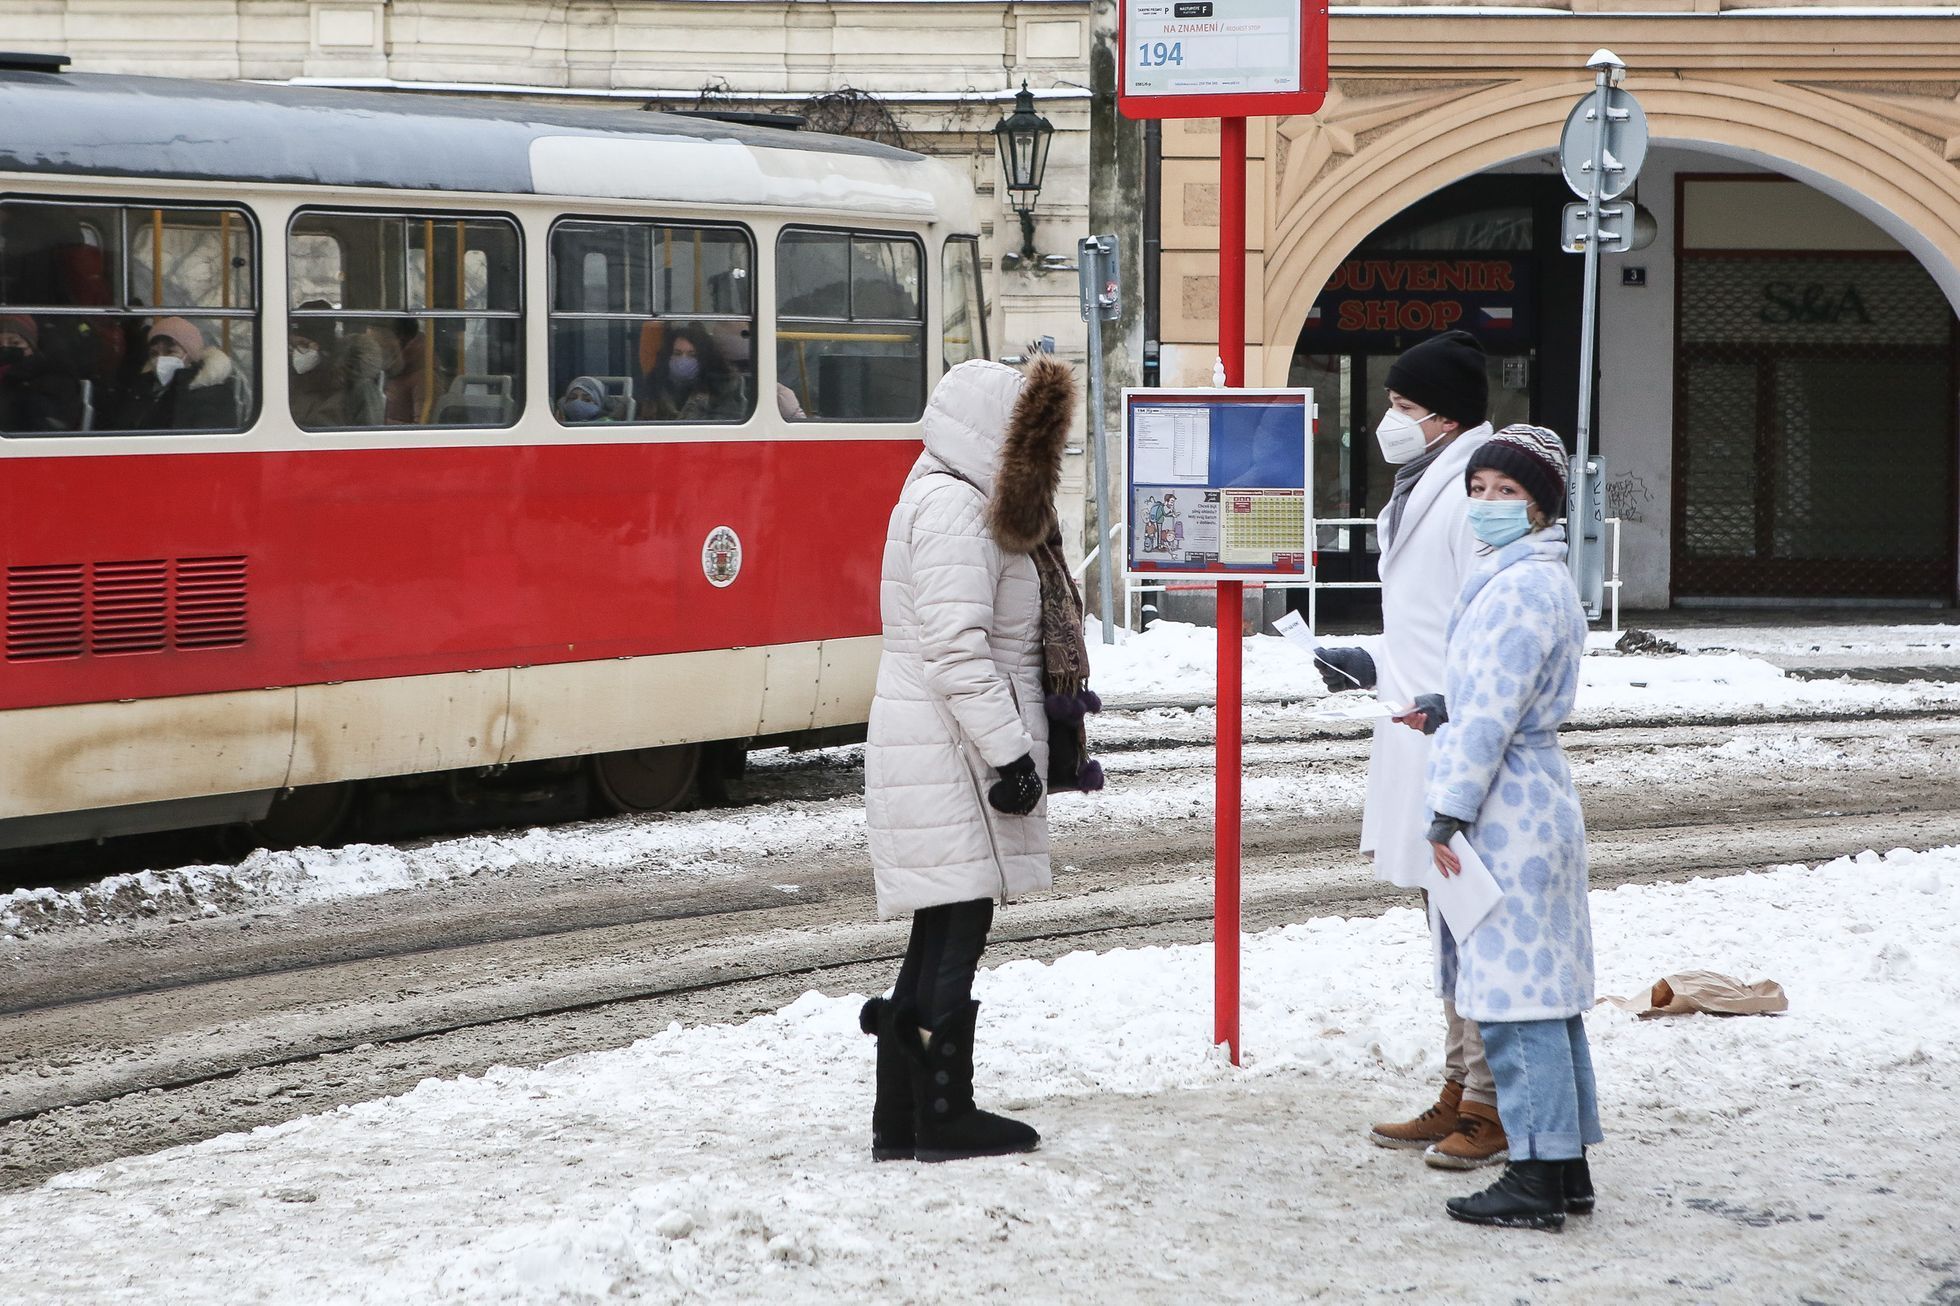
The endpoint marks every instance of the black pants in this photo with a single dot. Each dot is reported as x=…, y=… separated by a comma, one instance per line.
x=937, y=977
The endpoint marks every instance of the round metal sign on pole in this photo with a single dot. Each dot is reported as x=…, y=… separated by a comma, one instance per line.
x=1626, y=145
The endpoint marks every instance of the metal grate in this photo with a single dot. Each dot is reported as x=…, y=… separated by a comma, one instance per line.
x=210, y=607
x=128, y=605
x=111, y=609
x=1814, y=431
x=45, y=612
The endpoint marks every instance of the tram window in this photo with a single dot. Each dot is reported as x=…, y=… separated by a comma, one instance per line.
x=405, y=319
x=657, y=319
x=963, y=306
x=126, y=318
x=850, y=331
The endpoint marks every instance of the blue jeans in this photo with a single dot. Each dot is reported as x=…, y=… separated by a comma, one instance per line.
x=1545, y=1092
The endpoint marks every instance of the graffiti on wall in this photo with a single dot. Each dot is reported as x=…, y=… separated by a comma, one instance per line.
x=1627, y=497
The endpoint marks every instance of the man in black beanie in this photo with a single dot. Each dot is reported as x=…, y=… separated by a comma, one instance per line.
x=1437, y=393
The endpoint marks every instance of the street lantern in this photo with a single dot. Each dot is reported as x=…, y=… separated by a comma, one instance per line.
x=1023, y=136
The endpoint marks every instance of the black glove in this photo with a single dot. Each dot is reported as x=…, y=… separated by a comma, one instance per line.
x=1434, y=714
x=1345, y=668
x=1018, y=789
x=1443, y=829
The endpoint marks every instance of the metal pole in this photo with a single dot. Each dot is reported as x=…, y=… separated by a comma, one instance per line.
x=1093, y=250
x=1231, y=605
x=1579, y=509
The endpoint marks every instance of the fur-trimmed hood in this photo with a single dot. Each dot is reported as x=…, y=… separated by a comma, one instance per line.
x=213, y=368
x=1003, y=431
x=1021, y=513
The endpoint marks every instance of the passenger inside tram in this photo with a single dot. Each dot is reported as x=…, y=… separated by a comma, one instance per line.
x=337, y=380
x=691, y=381
x=186, y=384
x=415, y=376
x=37, y=393
x=586, y=400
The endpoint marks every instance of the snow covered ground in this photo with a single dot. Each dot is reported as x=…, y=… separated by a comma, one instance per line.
x=1805, y=1157
x=1170, y=661
x=1173, y=660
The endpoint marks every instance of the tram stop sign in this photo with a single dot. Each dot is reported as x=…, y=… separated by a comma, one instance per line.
x=1626, y=144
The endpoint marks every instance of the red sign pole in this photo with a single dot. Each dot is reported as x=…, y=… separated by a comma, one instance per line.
x=1231, y=600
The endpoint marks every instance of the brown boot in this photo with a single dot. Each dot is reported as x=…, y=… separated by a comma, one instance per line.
x=1477, y=1140
x=1432, y=1126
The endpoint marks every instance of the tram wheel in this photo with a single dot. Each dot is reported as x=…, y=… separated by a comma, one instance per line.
x=310, y=814
x=647, y=779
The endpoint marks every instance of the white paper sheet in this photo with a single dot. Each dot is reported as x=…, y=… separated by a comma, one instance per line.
x=1294, y=628
x=1170, y=445
x=1464, y=900
x=1349, y=706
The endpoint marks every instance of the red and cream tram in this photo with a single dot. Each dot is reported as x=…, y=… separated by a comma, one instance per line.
x=347, y=435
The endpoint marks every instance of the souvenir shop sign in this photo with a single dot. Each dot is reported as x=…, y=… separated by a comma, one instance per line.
x=1377, y=303
x=1218, y=482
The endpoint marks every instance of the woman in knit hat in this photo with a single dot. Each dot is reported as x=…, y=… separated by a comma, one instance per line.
x=187, y=384
x=1498, y=777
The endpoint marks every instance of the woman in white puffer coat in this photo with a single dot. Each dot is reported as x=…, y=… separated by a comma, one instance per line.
x=959, y=732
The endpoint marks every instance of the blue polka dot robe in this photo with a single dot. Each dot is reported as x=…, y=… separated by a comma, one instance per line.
x=1510, y=676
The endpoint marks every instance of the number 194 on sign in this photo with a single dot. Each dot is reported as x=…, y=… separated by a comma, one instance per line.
x=1160, y=54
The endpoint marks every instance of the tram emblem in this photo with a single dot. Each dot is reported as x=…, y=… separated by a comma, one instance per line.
x=721, y=557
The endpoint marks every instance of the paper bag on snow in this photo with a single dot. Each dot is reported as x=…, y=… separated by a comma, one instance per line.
x=1706, y=990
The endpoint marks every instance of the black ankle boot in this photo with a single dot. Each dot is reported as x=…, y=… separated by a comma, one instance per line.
x=891, y=1112
x=1529, y=1195
x=946, y=1124
x=1578, y=1186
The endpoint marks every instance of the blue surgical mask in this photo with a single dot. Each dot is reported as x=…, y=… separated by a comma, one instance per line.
x=684, y=367
x=1497, y=522
x=580, y=410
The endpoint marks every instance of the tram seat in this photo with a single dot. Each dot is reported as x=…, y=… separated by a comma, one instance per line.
x=478, y=399
x=619, y=397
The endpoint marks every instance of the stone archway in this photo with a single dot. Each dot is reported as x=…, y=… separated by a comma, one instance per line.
x=1377, y=147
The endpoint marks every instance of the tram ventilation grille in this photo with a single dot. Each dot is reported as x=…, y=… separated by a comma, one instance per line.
x=113, y=608
x=45, y=612
x=210, y=611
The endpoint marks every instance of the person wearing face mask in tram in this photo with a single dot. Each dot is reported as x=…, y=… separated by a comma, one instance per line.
x=691, y=381
x=187, y=384
x=36, y=394
x=335, y=382
x=584, y=401
x=1438, y=394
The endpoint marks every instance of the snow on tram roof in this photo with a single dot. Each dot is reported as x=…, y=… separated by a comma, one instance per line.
x=94, y=124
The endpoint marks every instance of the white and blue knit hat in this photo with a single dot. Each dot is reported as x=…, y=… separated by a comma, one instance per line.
x=1533, y=456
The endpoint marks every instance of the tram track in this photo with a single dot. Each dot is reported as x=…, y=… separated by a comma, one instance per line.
x=285, y=1018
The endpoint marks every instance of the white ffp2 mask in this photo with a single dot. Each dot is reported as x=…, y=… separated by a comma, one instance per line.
x=1401, y=437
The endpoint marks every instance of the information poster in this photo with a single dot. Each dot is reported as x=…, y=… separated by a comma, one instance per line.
x=1218, y=482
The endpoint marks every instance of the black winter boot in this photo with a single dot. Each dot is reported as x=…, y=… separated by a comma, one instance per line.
x=1529, y=1195
x=891, y=1113
x=947, y=1126
x=1578, y=1186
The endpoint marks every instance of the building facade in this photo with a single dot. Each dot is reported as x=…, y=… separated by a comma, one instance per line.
x=1776, y=383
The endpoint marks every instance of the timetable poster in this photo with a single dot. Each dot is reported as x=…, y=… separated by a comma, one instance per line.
x=1218, y=482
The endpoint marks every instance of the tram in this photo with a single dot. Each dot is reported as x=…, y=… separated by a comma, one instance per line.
x=348, y=435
